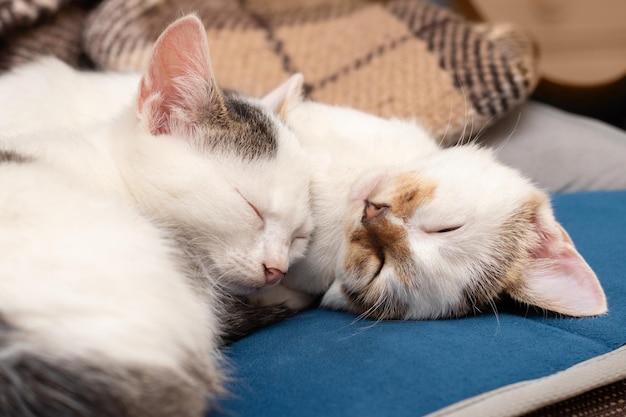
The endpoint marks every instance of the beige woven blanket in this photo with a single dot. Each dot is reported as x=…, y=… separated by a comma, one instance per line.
x=403, y=58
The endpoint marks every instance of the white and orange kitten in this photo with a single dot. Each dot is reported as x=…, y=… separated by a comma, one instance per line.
x=408, y=230
x=121, y=228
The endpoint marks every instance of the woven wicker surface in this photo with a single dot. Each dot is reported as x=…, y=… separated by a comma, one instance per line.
x=606, y=401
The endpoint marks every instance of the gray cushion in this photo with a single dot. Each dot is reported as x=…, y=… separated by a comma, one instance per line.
x=560, y=151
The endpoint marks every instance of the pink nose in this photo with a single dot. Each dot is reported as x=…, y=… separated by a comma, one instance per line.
x=372, y=210
x=273, y=275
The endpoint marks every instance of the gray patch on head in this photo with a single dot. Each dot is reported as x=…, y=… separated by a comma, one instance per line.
x=242, y=129
x=12, y=156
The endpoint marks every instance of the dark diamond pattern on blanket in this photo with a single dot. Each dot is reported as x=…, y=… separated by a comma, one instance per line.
x=486, y=61
x=403, y=58
x=400, y=58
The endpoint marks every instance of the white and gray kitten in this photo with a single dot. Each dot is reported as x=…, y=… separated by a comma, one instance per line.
x=120, y=233
x=408, y=230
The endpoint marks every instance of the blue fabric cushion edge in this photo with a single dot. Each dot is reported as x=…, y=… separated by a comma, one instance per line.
x=328, y=363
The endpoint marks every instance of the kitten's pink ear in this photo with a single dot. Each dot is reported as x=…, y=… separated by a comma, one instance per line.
x=286, y=96
x=179, y=80
x=558, y=278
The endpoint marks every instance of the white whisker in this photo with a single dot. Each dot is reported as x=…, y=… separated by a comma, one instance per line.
x=445, y=132
x=462, y=137
x=483, y=128
x=508, y=138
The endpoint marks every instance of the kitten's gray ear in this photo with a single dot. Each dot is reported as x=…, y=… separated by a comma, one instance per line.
x=557, y=277
x=179, y=81
x=286, y=96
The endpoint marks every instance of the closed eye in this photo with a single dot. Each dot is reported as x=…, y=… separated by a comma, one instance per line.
x=256, y=210
x=446, y=229
x=442, y=230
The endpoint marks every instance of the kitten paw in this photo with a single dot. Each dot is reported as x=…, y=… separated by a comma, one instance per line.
x=284, y=296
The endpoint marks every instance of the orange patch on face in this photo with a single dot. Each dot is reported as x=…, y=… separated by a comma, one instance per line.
x=363, y=257
x=409, y=193
x=379, y=242
x=534, y=203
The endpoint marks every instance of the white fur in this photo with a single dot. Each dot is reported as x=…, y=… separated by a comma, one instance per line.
x=125, y=266
x=48, y=95
x=87, y=276
x=348, y=150
x=149, y=169
x=90, y=265
x=359, y=157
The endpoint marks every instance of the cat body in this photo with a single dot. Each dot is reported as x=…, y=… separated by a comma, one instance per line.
x=408, y=230
x=95, y=307
x=49, y=95
x=92, y=127
x=124, y=227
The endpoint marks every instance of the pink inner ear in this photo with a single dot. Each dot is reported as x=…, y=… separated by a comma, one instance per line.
x=558, y=278
x=179, y=67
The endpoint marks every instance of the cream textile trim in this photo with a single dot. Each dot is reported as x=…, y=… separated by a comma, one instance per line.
x=526, y=396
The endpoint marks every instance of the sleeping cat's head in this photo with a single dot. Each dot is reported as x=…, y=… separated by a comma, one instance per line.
x=448, y=235
x=220, y=170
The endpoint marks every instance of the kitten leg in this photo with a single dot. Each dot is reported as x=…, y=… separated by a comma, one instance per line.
x=244, y=315
x=281, y=295
x=242, y=318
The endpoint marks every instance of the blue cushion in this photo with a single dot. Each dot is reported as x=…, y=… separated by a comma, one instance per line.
x=328, y=363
